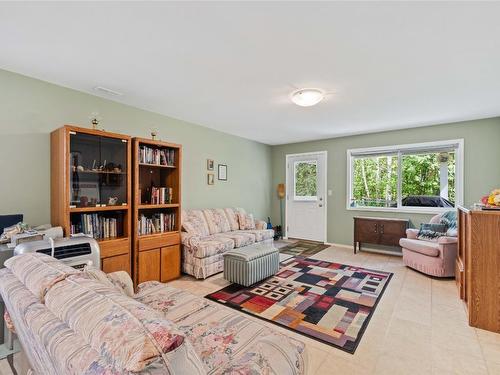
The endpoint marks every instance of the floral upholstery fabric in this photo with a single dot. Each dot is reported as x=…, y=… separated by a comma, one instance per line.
x=211, y=232
x=240, y=238
x=202, y=272
x=202, y=247
x=194, y=222
x=216, y=220
x=225, y=341
x=246, y=221
x=87, y=327
x=259, y=234
x=232, y=218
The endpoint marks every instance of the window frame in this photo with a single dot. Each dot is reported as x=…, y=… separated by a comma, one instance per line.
x=457, y=144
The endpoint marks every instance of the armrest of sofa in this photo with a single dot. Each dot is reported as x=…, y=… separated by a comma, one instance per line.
x=412, y=233
x=189, y=239
x=260, y=224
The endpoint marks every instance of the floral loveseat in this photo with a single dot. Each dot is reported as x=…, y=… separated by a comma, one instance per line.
x=207, y=234
x=87, y=322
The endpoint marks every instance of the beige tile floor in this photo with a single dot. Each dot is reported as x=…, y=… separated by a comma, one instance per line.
x=419, y=326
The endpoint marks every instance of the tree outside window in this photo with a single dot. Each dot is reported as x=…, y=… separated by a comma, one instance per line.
x=426, y=177
x=305, y=180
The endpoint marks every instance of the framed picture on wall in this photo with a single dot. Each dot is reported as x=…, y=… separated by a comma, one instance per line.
x=210, y=178
x=222, y=172
x=210, y=165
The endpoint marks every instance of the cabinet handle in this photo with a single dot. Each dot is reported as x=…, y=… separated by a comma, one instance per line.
x=381, y=228
x=375, y=229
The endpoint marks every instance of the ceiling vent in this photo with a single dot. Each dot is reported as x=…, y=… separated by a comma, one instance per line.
x=107, y=91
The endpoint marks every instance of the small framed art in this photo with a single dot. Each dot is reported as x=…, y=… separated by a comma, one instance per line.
x=222, y=172
x=210, y=165
x=210, y=178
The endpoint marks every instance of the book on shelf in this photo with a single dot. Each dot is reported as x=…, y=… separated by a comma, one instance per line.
x=156, y=223
x=96, y=225
x=162, y=195
x=157, y=156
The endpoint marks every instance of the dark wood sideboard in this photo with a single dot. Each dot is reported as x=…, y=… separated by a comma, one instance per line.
x=378, y=231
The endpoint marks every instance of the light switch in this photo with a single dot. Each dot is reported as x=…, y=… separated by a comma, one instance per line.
x=329, y=192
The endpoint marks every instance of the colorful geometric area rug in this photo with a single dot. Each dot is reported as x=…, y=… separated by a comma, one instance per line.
x=303, y=248
x=329, y=302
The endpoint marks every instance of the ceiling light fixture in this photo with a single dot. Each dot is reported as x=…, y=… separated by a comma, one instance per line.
x=307, y=97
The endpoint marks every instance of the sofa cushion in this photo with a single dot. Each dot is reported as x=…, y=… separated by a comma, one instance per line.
x=210, y=245
x=259, y=234
x=226, y=341
x=240, y=238
x=217, y=220
x=111, y=322
x=194, y=222
x=232, y=218
x=246, y=221
x=38, y=271
x=423, y=247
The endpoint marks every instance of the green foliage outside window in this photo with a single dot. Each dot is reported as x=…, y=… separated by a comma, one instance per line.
x=305, y=179
x=375, y=179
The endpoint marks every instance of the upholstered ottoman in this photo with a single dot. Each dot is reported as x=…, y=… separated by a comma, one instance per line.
x=250, y=264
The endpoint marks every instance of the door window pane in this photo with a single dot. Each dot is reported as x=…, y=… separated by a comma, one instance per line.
x=306, y=180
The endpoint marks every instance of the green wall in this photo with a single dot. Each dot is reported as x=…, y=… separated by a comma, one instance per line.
x=481, y=169
x=30, y=109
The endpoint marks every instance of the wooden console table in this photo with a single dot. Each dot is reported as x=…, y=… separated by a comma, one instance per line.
x=378, y=231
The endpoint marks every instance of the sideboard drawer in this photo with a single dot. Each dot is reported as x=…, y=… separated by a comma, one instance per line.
x=163, y=240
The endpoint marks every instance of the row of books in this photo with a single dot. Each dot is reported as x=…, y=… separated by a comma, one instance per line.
x=156, y=223
x=96, y=225
x=156, y=156
x=162, y=195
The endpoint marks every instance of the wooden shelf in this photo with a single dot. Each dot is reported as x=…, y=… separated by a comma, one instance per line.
x=101, y=172
x=156, y=256
x=141, y=236
x=157, y=165
x=153, y=206
x=115, y=252
x=98, y=209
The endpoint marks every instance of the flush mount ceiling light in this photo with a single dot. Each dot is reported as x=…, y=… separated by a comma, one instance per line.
x=307, y=97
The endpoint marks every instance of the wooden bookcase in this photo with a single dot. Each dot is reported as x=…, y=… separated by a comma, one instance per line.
x=156, y=253
x=88, y=168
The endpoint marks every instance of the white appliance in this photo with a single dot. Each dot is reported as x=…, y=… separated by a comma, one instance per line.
x=76, y=252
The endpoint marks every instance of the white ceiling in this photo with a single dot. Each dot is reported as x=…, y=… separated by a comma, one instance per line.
x=232, y=66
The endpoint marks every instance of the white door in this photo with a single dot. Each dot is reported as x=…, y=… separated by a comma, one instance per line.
x=306, y=199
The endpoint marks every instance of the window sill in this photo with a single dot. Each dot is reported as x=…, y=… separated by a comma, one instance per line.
x=407, y=210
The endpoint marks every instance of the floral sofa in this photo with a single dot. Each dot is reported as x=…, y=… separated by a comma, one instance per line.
x=87, y=322
x=207, y=234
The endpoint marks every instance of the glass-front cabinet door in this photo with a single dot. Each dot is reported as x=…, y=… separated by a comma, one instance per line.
x=98, y=171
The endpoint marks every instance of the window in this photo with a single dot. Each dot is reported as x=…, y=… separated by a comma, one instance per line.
x=423, y=177
x=306, y=181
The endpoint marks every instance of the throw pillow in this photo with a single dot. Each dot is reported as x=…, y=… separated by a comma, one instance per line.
x=246, y=221
x=431, y=232
x=449, y=219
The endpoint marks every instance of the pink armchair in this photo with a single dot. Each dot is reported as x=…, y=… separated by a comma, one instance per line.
x=435, y=258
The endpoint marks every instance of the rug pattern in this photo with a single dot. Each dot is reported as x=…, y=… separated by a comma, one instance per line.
x=303, y=248
x=329, y=302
